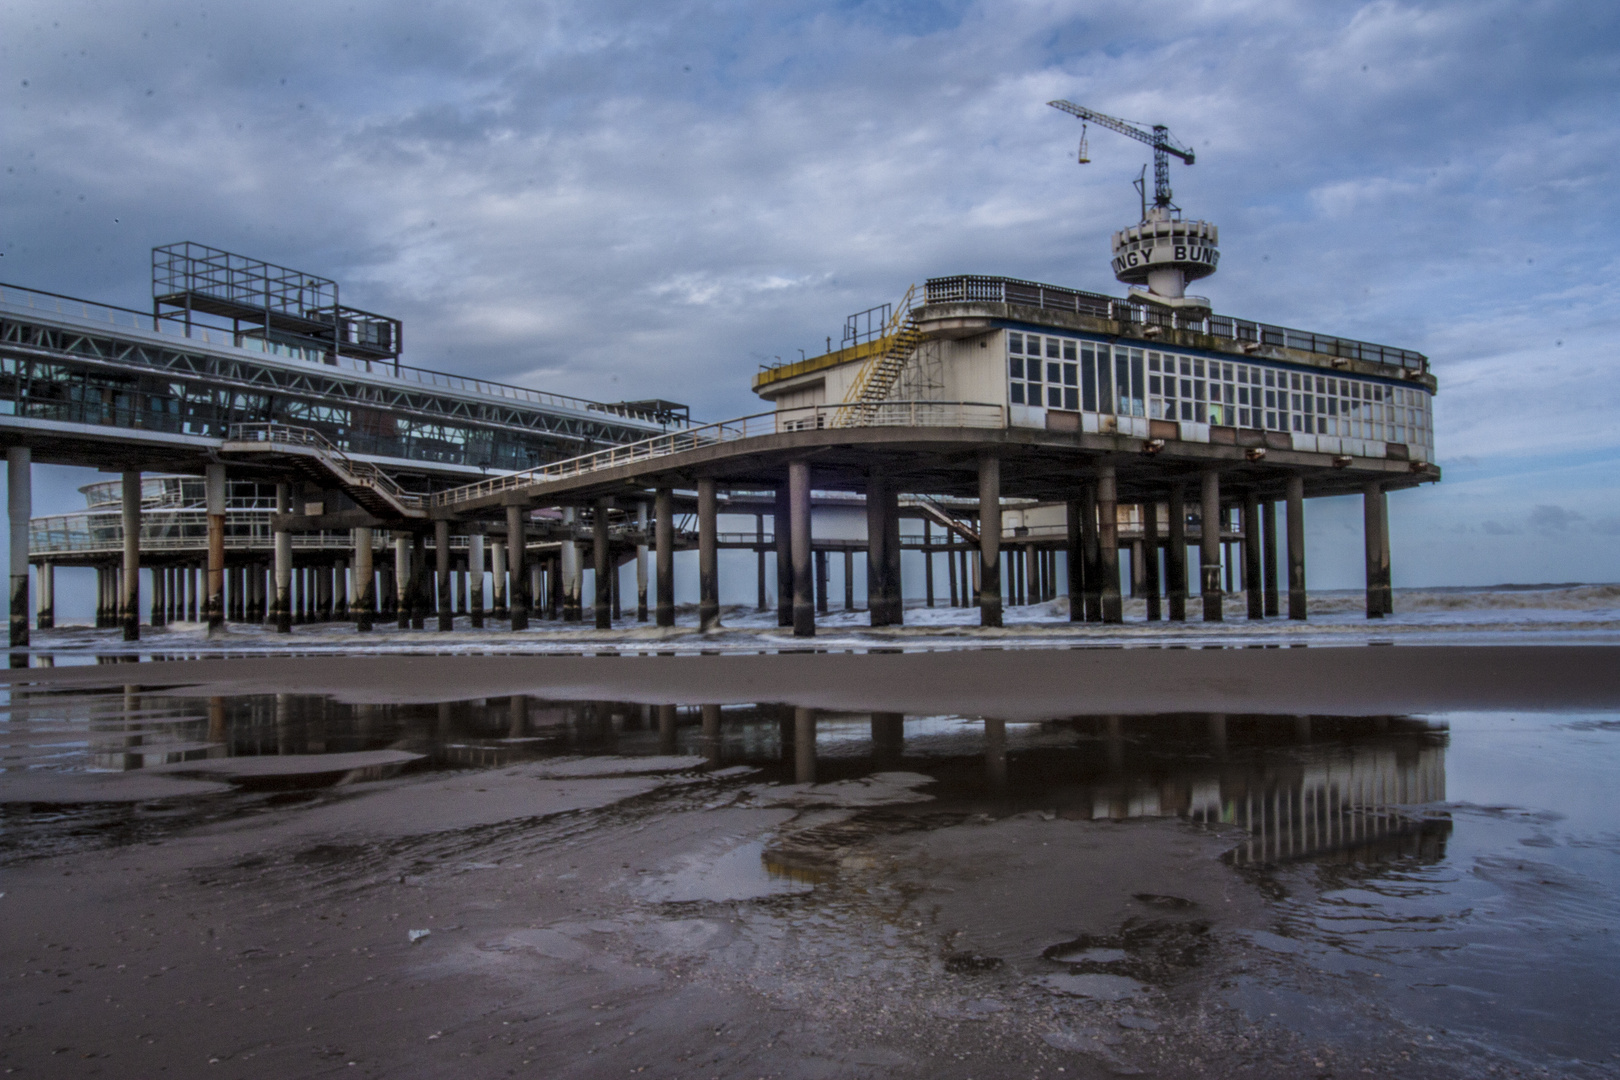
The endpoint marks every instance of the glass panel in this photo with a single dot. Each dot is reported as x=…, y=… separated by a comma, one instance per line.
x=1105, y=382
x=1088, y=378
x=1137, y=395
x=1068, y=350
x=1015, y=343
x=1017, y=391
x=1071, y=399
x=1015, y=367
x=1052, y=347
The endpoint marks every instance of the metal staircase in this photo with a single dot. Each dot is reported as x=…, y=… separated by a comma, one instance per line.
x=875, y=382
x=941, y=516
x=369, y=487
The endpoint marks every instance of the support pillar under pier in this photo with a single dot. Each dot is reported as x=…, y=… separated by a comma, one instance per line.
x=1253, y=578
x=517, y=544
x=441, y=571
x=782, y=537
x=1150, y=555
x=641, y=561
x=1175, y=555
x=804, y=609
x=402, y=580
x=603, y=605
x=1113, y=608
x=1209, y=546
x=19, y=508
x=475, y=578
x=283, y=557
x=129, y=604
x=497, y=568
x=989, y=540
x=1374, y=509
x=664, y=550
x=1092, y=552
x=1296, y=547
x=214, y=489
x=46, y=617
x=363, y=605
x=1073, y=509
x=1268, y=554
x=877, y=606
x=708, y=555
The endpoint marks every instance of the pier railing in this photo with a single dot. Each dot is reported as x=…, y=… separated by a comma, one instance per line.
x=354, y=473
x=969, y=414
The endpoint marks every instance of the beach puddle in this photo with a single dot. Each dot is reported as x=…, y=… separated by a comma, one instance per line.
x=1461, y=871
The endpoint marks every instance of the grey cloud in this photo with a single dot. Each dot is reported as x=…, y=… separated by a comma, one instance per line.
x=1553, y=519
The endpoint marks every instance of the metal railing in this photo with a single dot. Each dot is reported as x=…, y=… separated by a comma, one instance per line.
x=965, y=414
x=21, y=299
x=999, y=290
x=360, y=473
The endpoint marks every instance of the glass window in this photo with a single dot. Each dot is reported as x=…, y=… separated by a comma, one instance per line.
x=1155, y=386
x=1105, y=381
x=1122, y=381
x=1137, y=394
x=1068, y=350
x=1054, y=373
x=1226, y=372
x=1271, y=420
x=1052, y=347
x=1088, y=378
x=1071, y=398
x=1186, y=410
x=1198, y=389
x=1015, y=366
x=1054, y=397
x=1153, y=361
x=1271, y=378
x=1017, y=393
x=1071, y=375
x=1033, y=371
x=1186, y=366
x=1198, y=368
x=1015, y=343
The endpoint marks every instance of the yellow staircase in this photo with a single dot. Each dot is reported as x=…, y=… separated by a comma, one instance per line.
x=875, y=381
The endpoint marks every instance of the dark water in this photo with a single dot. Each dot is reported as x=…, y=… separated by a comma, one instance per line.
x=1462, y=868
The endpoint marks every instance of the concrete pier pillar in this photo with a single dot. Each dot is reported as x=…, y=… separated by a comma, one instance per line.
x=421, y=587
x=1268, y=555
x=1209, y=530
x=782, y=540
x=402, y=580
x=572, y=572
x=475, y=578
x=602, y=607
x=664, y=550
x=1151, y=583
x=282, y=548
x=536, y=595
x=1073, y=509
x=759, y=556
x=339, y=608
x=497, y=574
x=1092, y=549
x=517, y=551
x=323, y=594
x=928, y=562
x=1296, y=547
x=877, y=605
x=1375, y=520
x=951, y=578
x=363, y=598
x=804, y=599
x=893, y=587
x=45, y=617
x=708, y=554
x=1253, y=578
x=989, y=540
x=19, y=509
x=214, y=490
x=711, y=733
x=804, y=746
x=129, y=603
x=1113, y=608
x=157, y=616
x=849, y=580
x=441, y=573
x=641, y=561
x=1175, y=554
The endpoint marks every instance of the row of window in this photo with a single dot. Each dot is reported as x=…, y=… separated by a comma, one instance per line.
x=1083, y=376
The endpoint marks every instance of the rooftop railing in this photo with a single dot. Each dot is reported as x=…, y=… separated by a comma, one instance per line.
x=970, y=414
x=24, y=300
x=1000, y=290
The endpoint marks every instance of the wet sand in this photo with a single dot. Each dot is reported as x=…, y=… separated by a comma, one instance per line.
x=1013, y=684
x=654, y=917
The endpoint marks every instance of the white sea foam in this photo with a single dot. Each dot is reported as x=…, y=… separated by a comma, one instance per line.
x=1508, y=614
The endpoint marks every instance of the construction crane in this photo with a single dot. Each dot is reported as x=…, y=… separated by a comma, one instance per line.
x=1159, y=138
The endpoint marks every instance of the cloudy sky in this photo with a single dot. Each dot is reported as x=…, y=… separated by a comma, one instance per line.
x=616, y=199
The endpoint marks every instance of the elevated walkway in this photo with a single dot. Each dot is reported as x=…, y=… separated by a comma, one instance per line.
x=320, y=461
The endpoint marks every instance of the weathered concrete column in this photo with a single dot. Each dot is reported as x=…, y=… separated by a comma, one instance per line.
x=572, y=572
x=441, y=572
x=1209, y=530
x=421, y=590
x=475, y=577
x=214, y=490
x=804, y=746
x=1113, y=608
x=1076, y=559
x=45, y=618
x=159, y=595
x=641, y=561
x=989, y=540
x=129, y=603
x=804, y=586
x=928, y=561
x=340, y=591
x=1296, y=547
x=664, y=547
x=759, y=556
x=893, y=588
x=19, y=508
x=708, y=554
x=1175, y=554
x=711, y=732
x=402, y=580
x=1374, y=511
x=1268, y=554
x=782, y=540
x=1092, y=549
x=282, y=610
x=603, y=605
x=877, y=533
x=363, y=597
x=1253, y=578
x=536, y=582
x=323, y=594
x=497, y=574
x=517, y=547
x=849, y=580
x=1151, y=583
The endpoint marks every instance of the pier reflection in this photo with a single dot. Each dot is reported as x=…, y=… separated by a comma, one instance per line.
x=1317, y=787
